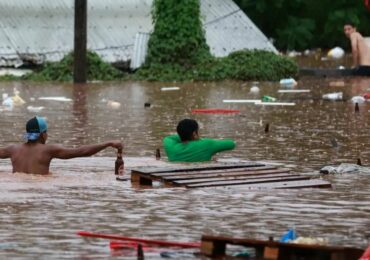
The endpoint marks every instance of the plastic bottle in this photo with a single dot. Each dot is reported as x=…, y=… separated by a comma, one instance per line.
x=288, y=82
x=157, y=154
x=268, y=99
x=119, y=165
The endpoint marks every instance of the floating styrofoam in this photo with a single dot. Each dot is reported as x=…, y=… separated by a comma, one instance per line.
x=61, y=99
x=169, y=88
x=35, y=109
x=294, y=91
x=275, y=103
x=241, y=100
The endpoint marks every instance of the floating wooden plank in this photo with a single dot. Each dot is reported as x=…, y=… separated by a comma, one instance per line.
x=192, y=167
x=215, y=247
x=275, y=104
x=326, y=72
x=212, y=172
x=235, y=178
x=250, y=101
x=228, y=183
x=294, y=90
x=248, y=174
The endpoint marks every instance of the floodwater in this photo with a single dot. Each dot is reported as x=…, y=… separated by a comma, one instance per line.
x=40, y=215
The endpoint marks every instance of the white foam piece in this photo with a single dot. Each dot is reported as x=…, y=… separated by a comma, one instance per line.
x=294, y=91
x=242, y=101
x=61, y=99
x=169, y=88
x=275, y=103
x=35, y=109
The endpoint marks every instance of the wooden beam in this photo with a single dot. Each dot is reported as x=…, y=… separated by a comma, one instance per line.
x=224, y=174
x=80, y=42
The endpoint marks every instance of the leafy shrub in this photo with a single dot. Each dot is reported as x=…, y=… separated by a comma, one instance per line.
x=97, y=69
x=240, y=65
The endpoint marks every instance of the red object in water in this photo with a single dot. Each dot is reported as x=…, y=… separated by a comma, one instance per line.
x=366, y=255
x=141, y=240
x=118, y=245
x=214, y=111
x=367, y=96
x=367, y=4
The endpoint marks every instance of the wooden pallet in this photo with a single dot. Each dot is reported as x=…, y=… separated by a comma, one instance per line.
x=216, y=247
x=252, y=175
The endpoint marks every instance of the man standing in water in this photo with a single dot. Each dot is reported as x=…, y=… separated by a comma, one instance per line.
x=35, y=156
x=187, y=146
x=360, y=50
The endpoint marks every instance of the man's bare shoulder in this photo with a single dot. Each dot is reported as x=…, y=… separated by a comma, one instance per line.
x=356, y=36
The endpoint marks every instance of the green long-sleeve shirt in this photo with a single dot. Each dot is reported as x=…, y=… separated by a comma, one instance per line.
x=194, y=151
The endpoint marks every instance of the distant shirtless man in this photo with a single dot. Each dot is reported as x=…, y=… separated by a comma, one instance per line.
x=360, y=50
x=35, y=156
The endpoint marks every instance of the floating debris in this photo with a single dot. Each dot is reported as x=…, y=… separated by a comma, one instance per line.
x=336, y=53
x=59, y=99
x=35, y=109
x=113, y=104
x=169, y=88
x=288, y=82
x=333, y=96
x=294, y=91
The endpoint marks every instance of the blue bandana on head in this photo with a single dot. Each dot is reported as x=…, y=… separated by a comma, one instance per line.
x=35, y=127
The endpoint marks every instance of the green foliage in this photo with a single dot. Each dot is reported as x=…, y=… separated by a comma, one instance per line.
x=240, y=65
x=97, y=69
x=178, y=51
x=8, y=78
x=299, y=24
x=178, y=35
x=293, y=36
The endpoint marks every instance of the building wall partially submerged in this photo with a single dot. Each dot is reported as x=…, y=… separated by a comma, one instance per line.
x=40, y=30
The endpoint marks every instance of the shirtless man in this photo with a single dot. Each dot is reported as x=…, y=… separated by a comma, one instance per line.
x=35, y=156
x=360, y=50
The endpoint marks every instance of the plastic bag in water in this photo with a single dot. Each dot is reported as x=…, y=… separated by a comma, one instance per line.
x=290, y=235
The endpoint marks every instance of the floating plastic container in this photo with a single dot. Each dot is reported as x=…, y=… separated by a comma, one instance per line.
x=333, y=96
x=254, y=89
x=288, y=82
x=336, y=53
x=268, y=99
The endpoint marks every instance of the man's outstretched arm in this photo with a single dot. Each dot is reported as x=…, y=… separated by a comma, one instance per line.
x=5, y=152
x=60, y=152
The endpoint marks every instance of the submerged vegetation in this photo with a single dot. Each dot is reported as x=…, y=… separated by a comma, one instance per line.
x=178, y=51
x=97, y=69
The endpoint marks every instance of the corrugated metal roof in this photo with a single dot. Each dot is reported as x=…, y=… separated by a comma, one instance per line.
x=45, y=28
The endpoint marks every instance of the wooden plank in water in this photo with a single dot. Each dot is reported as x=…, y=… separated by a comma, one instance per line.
x=326, y=72
x=216, y=247
x=224, y=174
x=312, y=183
x=239, y=182
x=151, y=170
x=228, y=178
x=212, y=172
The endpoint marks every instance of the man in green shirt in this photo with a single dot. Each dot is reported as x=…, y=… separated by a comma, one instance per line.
x=186, y=146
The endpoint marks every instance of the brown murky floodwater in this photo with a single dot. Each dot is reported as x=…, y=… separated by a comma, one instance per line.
x=39, y=215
